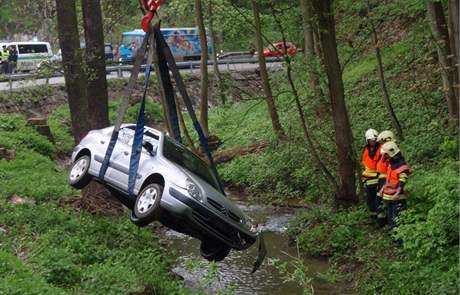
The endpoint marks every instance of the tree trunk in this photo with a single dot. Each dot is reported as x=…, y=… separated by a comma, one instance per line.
x=96, y=95
x=95, y=62
x=309, y=44
x=383, y=85
x=440, y=33
x=203, y=69
x=264, y=74
x=73, y=72
x=307, y=16
x=454, y=33
x=346, y=190
x=217, y=76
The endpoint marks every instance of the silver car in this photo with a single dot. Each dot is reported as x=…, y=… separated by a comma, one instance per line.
x=173, y=186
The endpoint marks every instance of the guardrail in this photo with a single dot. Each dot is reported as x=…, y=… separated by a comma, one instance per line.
x=120, y=68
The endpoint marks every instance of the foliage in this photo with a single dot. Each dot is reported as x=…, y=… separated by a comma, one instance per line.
x=428, y=230
x=83, y=253
x=49, y=249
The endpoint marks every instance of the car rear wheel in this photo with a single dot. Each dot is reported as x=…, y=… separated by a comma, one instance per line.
x=213, y=250
x=147, y=206
x=79, y=176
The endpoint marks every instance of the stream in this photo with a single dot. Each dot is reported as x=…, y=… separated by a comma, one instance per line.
x=235, y=270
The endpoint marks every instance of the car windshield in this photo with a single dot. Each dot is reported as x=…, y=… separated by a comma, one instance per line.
x=185, y=158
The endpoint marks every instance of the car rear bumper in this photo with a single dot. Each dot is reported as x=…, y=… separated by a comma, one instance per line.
x=213, y=224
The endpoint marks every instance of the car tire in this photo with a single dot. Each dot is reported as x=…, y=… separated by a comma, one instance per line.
x=213, y=250
x=147, y=206
x=137, y=221
x=78, y=175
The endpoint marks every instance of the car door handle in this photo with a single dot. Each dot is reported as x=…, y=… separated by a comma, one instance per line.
x=126, y=153
x=102, y=141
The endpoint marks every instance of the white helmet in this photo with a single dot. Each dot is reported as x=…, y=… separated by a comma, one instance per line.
x=371, y=134
x=390, y=148
x=385, y=136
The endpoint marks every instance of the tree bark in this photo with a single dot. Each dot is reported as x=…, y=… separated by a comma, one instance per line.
x=440, y=33
x=309, y=44
x=454, y=32
x=203, y=69
x=73, y=72
x=383, y=85
x=217, y=75
x=307, y=16
x=264, y=74
x=346, y=190
x=95, y=62
x=96, y=95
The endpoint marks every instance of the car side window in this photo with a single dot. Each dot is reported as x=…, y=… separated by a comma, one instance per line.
x=126, y=135
x=151, y=138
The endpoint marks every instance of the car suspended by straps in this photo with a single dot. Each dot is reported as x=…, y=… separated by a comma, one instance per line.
x=173, y=186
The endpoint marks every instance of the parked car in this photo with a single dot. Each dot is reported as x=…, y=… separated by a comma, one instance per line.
x=278, y=50
x=31, y=55
x=108, y=53
x=173, y=186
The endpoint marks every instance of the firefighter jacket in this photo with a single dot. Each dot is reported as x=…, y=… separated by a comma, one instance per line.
x=369, y=159
x=397, y=175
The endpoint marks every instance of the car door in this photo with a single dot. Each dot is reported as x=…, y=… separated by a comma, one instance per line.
x=121, y=157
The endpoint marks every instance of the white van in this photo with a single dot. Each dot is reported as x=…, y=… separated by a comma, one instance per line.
x=31, y=54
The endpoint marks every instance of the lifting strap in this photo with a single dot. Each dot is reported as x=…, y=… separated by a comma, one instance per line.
x=165, y=64
x=167, y=55
x=138, y=139
x=165, y=80
x=124, y=104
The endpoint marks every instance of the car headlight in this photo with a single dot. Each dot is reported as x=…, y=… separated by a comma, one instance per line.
x=193, y=190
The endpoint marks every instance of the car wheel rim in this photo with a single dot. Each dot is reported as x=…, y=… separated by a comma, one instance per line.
x=79, y=169
x=147, y=200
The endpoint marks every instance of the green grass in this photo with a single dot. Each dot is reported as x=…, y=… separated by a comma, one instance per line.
x=49, y=249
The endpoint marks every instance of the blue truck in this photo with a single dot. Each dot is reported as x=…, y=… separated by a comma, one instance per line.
x=184, y=43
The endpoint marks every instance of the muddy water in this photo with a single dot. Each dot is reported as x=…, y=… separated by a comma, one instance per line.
x=235, y=270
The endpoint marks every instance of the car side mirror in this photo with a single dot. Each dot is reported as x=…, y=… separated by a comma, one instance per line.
x=149, y=147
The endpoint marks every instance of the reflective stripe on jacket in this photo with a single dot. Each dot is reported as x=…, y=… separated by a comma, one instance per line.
x=396, y=178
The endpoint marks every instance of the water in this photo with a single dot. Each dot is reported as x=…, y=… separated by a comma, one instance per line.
x=235, y=270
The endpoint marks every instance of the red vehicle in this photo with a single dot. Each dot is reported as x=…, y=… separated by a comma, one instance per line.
x=278, y=49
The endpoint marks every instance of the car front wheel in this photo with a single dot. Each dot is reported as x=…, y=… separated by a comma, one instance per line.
x=147, y=205
x=213, y=250
x=79, y=176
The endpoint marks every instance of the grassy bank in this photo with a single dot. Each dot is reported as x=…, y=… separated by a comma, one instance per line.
x=49, y=248
x=427, y=260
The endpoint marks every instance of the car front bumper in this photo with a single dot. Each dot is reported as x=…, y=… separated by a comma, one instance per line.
x=213, y=224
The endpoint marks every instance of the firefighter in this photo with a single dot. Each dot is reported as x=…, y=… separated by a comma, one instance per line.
x=382, y=166
x=392, y=191
x=371, y=154
x=5, y=56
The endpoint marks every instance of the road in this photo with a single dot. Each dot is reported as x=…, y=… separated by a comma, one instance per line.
x=5, y=86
